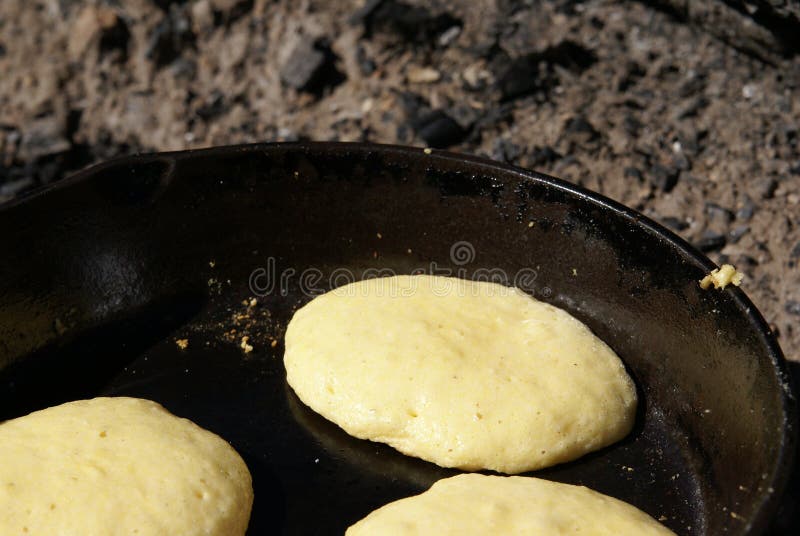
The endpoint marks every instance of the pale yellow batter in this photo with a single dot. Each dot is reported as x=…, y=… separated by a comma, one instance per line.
x=119, y=466
x=484, y=505
x=465, y=374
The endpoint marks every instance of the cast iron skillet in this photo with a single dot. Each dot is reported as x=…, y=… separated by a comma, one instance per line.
x=102, y=272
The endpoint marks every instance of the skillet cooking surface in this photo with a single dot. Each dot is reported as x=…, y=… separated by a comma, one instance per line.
x=108, y=269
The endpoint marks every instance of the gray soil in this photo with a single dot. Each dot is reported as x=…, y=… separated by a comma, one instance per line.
x=688, y=114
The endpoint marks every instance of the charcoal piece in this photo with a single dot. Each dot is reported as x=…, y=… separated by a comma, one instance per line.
x=674, y=223
x=580, y=131
x=631, y=125
x=711, y=241
x=717, y=212
x=632, y=74
x=116, y=37
x=521, y=77
x=170, y=36
x=631, y=172
x=365, y=63
x=738, y=232
x=43, y=138
x=692, y=108
x=311, y=67
x=570, y=55
x=414, y=24
x=533, y=72
x=746, y=211
x=765, y=188
x=230, y=10
x=213, y=107
x=438, y=129
x=544, y=155
x=664, y=178
x=681, y=162
x=505, y=150
x=12, y=188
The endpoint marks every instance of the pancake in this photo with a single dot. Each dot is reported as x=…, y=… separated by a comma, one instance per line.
x=472, y=375
x=480, y=504
x=111, y=466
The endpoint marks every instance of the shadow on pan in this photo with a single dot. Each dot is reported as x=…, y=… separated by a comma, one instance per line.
x=716, y=435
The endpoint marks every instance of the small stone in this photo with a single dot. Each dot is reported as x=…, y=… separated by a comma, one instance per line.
x=310, y=67
x=664, y=178
x=795, y=253
x=793, y=307
x=449, y=35
x=749, y=91
x=365, y=63
x=422, y=75
x=202, y=16
x=476, y=77
x=711, y=241
x=681, y=162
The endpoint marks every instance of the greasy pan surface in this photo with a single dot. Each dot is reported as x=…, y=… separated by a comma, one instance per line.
x=103, y=272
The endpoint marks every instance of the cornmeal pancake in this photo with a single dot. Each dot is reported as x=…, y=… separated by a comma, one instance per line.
x=119, y=466
x=465, y=374
x=479, y=504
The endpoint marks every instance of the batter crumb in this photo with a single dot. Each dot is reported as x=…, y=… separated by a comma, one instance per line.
x=427, y=150
x=183, y=344
x=722, y=277
x=245, y=346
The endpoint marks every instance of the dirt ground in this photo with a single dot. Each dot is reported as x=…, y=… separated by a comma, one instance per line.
x=691, y=120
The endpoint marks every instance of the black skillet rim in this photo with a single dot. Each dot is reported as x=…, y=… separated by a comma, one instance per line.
x=785, y=460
